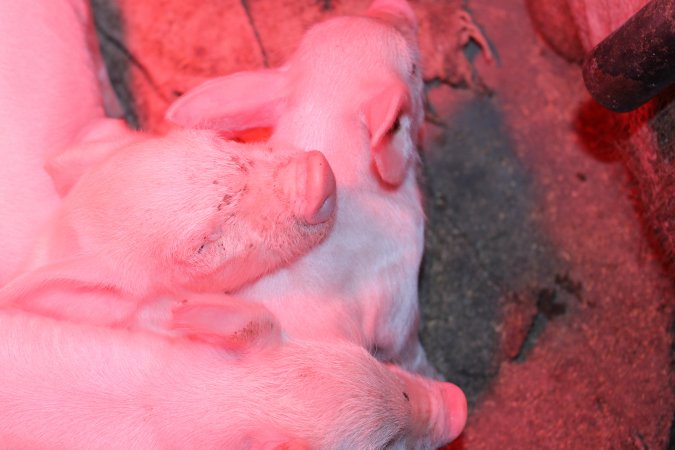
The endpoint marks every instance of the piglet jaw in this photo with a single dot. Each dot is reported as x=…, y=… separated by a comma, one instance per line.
x=309, y=179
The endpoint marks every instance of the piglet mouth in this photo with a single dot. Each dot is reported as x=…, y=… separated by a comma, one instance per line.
x=308, y=181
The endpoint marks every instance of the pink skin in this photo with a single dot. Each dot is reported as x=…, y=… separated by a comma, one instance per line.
x=353, y=89
x=43, y=61
x=368, y=266
x=79, y=386
x=186, y=212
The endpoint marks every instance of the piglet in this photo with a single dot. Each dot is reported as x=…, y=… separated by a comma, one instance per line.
x=353, y=90
x=185, y=212
x=76, y=386
x=50, y=89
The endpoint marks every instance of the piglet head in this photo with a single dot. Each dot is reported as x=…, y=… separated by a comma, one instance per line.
x=438, y=410
x=194, y=210
x=327, y=80
x=274, y=208
x=278, y=392
x=336, y=395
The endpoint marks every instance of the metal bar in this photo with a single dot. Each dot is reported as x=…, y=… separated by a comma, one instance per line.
x=637, y=61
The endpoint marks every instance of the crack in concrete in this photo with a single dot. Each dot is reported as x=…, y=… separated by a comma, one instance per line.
x=103, y=33
x=548, y=309
x=476, y=84
x=531, y=337
x=430, y=113
x=326, y=5
x=258, y=39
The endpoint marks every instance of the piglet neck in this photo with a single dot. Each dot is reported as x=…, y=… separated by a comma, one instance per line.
x=206, y=405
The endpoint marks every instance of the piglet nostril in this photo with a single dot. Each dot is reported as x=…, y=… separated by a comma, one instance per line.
x=319, y=188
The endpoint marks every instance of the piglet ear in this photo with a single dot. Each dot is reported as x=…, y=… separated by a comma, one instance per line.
x=389, y=130
x=76, y=289
x=94, y=145
x=240, y=101
x=236, y=325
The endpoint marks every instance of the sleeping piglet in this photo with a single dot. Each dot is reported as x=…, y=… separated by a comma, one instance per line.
x=186, y=212
x=353, y=90
x=69, y=385
x=78, y=386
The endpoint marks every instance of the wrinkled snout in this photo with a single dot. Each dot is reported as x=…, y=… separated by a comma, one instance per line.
x=438, y=409
x=455, y=402
x=309, y=179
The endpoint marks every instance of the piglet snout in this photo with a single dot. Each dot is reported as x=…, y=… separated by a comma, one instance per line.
x=311, y=179
x=438, y=409
x=455, y=402
x=319, y=188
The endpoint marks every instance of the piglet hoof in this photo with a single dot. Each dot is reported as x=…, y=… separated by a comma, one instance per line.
x=309, y=179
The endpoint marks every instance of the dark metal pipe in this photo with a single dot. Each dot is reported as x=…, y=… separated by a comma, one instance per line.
x=637, y=61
